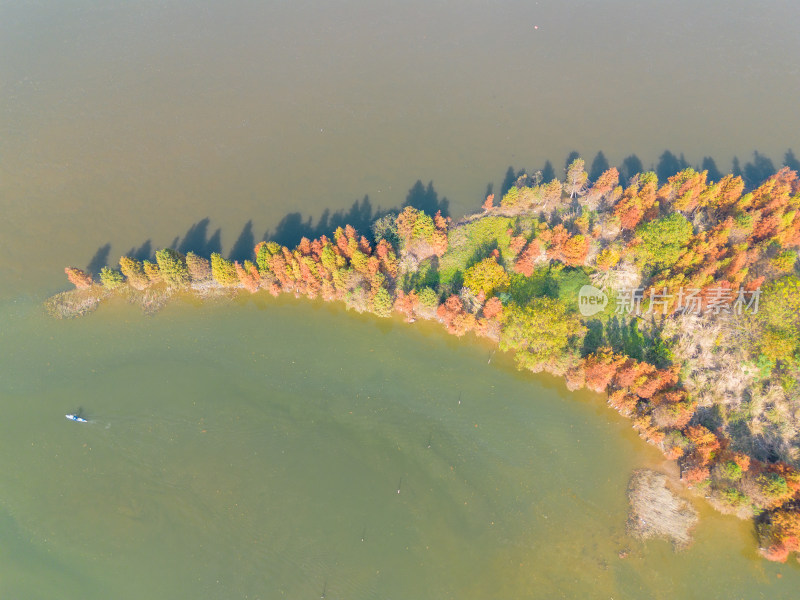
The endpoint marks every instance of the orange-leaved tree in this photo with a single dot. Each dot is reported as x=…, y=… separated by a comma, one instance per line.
x=78, y=278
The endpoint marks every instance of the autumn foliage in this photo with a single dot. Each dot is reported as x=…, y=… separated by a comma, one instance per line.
x=199, y=268
x=780, y=533
x=455, y=319
x=78, y=278
x=407, y=304
x=487, y=276
x=686, y=232
x=421, y=234
x=528, y=258
x=248, y=276
x=133, y=270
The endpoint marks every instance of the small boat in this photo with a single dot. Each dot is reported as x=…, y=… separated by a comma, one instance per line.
x=77, y=418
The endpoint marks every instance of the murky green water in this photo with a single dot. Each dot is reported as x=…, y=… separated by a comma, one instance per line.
x=255, y=450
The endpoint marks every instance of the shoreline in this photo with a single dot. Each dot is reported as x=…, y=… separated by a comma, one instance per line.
x=512, y=274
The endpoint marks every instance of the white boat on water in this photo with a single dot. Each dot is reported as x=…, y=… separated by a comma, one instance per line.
x=76, y=418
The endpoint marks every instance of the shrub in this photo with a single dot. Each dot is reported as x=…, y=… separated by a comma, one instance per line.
x=734, y=498
x=406, y=304
x=695, y=475
x=780, y=534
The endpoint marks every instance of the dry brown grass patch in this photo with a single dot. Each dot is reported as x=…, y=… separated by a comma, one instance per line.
x=656, y=511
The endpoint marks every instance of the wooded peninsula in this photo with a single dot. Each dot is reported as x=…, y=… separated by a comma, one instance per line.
x=679, y=299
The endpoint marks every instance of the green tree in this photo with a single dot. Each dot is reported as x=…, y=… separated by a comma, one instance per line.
x=428, y=298
x=487, y=276
x=772, y=486
x=264, y=251
x=784, y=262
x=223, y=271
x=511, y=197
x=134, y=272
x=778, y=317
x=382, y=303
x=328, y=258
x=152, y=272
x=540, y=332
x=385, y=228
x=172, y=266
x=664, y=240
x=111, y=278
x=730, y=470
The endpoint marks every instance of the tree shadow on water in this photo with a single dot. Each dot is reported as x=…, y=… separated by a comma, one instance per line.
x=599, y=166
x=143, y=252
x=630, y=166
x=426, y=199
x=242, y=248
x=99, y=260
x=293, y=227
x=361, y=214
x=573, y=154
x=669, y=165
x=196, y=240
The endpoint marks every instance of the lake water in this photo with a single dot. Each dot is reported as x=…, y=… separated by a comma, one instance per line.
x=255, y=449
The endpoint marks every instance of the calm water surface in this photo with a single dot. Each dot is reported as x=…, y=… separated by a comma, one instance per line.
x=255, y=450
x=131, y=121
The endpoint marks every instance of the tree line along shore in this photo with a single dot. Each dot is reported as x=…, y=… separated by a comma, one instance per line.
x=712, y=382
